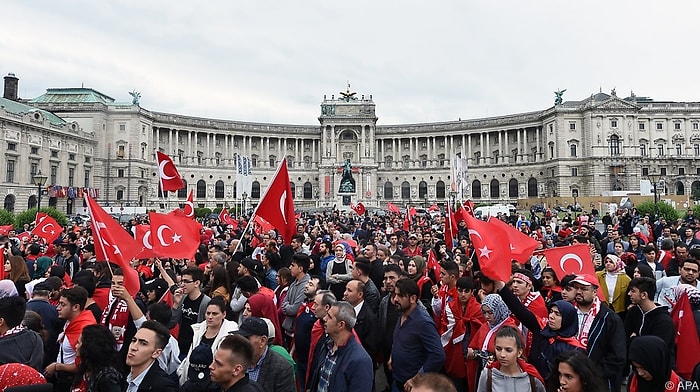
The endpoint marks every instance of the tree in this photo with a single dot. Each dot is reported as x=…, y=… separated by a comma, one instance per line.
x=29, y=216
x=202, y=212
x=665, y=210
x=6, y=218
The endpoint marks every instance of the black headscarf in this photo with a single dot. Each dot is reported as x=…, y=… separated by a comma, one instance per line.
x=653, y=355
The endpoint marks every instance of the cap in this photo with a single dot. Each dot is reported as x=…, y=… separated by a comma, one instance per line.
x=200, y=359
x=412, y=236
x=586, y=280
x=159, y=285
x=270, y=328
x=252, y=264
x=253, y=326
x=45, y=286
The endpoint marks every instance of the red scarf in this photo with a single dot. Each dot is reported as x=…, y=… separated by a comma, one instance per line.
x=588, y=321
x=527, y=368
x=452, y=341
x=75, y=327
x=570, y=341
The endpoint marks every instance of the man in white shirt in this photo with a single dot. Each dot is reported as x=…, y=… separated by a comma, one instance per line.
x=689, y=271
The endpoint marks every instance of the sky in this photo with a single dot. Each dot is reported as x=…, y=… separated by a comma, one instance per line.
x=273, y=61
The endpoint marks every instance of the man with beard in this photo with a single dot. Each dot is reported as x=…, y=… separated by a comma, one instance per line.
x=601, y=331
x=306, y=318
x=323, y=301
x=388, y=314
x=688, y=274
x=416, y=347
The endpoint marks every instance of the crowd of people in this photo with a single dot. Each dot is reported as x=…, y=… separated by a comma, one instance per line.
x=359, y=303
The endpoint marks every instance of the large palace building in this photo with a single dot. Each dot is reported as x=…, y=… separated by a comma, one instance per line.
x=85, y=141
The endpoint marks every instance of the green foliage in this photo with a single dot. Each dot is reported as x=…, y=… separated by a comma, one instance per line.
x=665, y=210
x=202, y=212
x=6, y=218
x=29, y=215
x=696, y=210
x=217, y=210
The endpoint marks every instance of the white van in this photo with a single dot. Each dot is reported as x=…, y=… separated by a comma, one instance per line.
x=487, y=211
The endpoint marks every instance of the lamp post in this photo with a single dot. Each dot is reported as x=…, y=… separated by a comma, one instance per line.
x=39, y=180
x=453, y=196
x=654, y=179
x=245, y=196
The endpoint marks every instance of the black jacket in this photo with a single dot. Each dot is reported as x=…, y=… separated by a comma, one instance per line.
x=156, y=380
x=367, y=329
x=607, y=346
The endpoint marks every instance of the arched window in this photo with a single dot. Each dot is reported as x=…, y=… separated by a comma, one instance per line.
x=405, y=190
x=388, y=190
x=680, y=189
x=182, y=193
x=10, y=203
x=120, y=194
x=32, y=201
x=201, y=189
x=614, y=145
x=495, y=189
x=573, y=149
x=440, y=189
x=308, y=190
x=255, y=190
x=293, y=187
x=219, y=190
x=422, y=190
x=695, y=189
x=532, y=187
x=476, y=189
x=513, y=188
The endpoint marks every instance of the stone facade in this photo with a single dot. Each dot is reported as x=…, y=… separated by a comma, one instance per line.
x=577, y=148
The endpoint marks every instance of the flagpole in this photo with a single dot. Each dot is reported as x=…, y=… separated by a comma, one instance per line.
x=255, y=211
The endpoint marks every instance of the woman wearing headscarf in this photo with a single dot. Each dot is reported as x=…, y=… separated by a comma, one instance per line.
x=339, y=270
x=651, y=366
x=614, y=283
x=557, y=336
x=416, y=271
x=497, y=316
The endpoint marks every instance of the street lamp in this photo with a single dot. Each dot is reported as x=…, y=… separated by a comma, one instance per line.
x=654, y=179
x=245, y=196
x=39, y=180
x=453, y=196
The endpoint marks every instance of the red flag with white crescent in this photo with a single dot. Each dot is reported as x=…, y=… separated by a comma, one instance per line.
x=521, y=245
x=189, y=205
x=170, y=179
x=174, y=236
x=114, y=244
x=143, y=237
x=5, y=229
x=494, y=258
x=277, y=206
x=572, y=259
x=47, y=227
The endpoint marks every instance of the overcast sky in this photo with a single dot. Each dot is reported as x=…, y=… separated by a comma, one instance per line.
x=272, y=61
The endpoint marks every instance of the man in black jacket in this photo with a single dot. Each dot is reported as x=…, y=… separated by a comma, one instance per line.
x=601, y=331
x=145, y=348
x=646, y=317
x=17, y=343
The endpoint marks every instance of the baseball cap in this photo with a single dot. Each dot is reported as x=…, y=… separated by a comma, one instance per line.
x=200, y=359
x=270, y=328
x=158, y=285
x=412, y=236
x=586, y=280
x=253, y=326
x=254, y=266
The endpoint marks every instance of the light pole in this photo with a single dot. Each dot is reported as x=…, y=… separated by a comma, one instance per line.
x=453, y=196
x=654, y=178
x=245, y=196
x=39, y=180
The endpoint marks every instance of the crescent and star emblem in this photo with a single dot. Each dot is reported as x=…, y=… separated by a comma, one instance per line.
x=159, y=234
x=43, y=229
x=189, y=209
x=161, y=170
x=283, y=202
x=147, y=240
x=571, y=256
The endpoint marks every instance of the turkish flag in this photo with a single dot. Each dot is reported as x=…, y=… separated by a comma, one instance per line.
x=143, y=237
x=433, y=265
x=687, y=340
x=177, y=212
x=489, y=240
x=225, y=218
x=572, y=259
x=170, y=179
x=450, y=228
x=5, y=229
x=114, y=244
x=174, y=236
x=277, y=206
x=24, y=236
x=47, y=227
x=412, y=211
x=433, y=207
x=189, y=205
x=265, y=226
x=393, y=208
x=359, y=208
x=521, y=245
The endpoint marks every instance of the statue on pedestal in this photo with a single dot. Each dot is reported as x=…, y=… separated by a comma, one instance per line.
x=347, y=183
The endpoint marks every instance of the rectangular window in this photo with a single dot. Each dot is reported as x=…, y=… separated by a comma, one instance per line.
x=645, y=171
x=87, y=178
x=34, y=150
x=121, y=151
x=12, y=146
x=695, y=126
x=53, y=175
x=643, y=150
x=660, y=150
x=54, y=154
x=679, y=150
x=572, y=126
x=71, y=176
x=33, y=169
x=696, y=150
x=10, y=171
x=87, y=159
x=677, y=126
x=120, y=173
x=574, y=172
x=681, y=171
x=663, y=171
x=613, y=123
x=641, y=126
x=71, y=157
x=659, y=126
x=122, y=127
